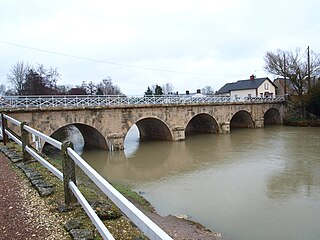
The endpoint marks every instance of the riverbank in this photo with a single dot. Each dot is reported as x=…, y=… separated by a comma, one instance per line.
x=302, y=122
x=120, y=227
x=178, y=227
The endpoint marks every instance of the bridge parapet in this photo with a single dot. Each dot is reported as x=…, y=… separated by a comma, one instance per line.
x=73, y=101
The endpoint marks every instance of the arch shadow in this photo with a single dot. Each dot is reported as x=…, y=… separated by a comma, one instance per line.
x=241, y=119
x=81, y=135
x=272, y=116
x=153, y=128
x=202, y=123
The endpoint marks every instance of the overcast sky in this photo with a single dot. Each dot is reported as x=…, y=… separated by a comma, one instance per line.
x=190, y=44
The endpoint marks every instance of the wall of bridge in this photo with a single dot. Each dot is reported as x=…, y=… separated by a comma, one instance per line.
x=168, y=122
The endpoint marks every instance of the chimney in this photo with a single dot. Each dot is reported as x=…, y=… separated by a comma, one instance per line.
x=252, y=77
x=198, y=90
x=187, y=92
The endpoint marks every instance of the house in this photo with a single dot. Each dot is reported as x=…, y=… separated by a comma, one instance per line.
x=253, y=87
x=290, y=88
x=197, y=94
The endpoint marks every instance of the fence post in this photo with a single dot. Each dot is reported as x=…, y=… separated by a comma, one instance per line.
x=25, y=142
x=69, y=173
x=4, y=127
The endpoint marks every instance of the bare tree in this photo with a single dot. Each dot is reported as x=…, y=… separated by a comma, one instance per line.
x=40, y=81
x=208, y=90
x=168, y=88
x=108, y=88
x=91, y=88
x=50, y=75
x=293, y=65
x=17, y=76
x=2, y=89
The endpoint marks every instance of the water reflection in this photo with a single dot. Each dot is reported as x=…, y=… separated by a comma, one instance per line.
x=151, y=161
x=250, y=184
x=132, y=141
x=283, y=149
x=300, y=172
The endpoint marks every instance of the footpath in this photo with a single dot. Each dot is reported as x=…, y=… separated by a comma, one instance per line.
x=23, y=214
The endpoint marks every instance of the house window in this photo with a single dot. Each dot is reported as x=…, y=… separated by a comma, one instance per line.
x=266, y=86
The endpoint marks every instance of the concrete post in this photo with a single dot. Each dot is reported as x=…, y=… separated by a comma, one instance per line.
x=69, y=173
x=25, y=142
x=225, y=127
x=115, y=142
x=178, y=133
x=4, y=127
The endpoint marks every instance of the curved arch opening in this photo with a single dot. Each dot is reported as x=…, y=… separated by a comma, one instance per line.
x=201, y=124
x=82, y=136
x=152, y=128
x=132, y=141
x=133, y=145
x=241, y=119
x=272, y=117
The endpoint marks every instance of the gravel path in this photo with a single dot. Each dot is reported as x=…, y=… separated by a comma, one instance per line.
x=23, y=214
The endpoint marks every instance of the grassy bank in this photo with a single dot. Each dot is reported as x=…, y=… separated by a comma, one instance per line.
x=302, y=122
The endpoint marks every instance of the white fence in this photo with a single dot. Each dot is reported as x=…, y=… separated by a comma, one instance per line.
x=70, y=101
x=148, y=227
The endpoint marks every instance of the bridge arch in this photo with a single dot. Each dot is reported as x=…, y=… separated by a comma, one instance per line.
x=202, y=123
x=153, y=128
x=241, y=119
x=272, y=116
x=79, y=134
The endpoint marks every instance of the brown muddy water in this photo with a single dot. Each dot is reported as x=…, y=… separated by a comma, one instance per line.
x=250, y=184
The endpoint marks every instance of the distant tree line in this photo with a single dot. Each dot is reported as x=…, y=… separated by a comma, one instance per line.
x=168, y=89
x=29, y=80
x=157, y=90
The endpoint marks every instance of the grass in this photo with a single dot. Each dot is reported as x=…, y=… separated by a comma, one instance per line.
x=133, y=197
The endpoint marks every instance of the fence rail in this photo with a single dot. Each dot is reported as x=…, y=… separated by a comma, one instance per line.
x=148, y=227
x=74, y=101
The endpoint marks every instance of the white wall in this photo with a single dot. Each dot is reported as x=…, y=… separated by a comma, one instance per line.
x=266, y=86
x=244, y=93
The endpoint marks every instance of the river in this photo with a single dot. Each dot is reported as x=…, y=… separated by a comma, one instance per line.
x=251, y=184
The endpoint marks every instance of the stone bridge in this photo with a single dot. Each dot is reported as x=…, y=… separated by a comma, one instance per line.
x=106, y=127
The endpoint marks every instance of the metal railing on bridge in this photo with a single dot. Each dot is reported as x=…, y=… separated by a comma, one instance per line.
x=71, y=191
x=74, y=101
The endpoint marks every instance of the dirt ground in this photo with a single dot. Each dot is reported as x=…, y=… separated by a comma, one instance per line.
x=23, y=214
x=182, y=229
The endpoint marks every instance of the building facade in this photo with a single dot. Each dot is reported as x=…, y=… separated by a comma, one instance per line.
x=253, y=87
